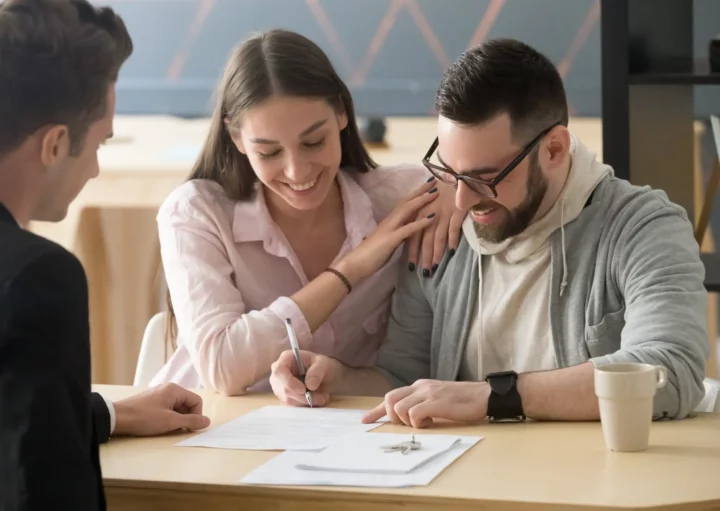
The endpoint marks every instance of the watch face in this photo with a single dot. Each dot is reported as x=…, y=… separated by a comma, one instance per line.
x=502, y=383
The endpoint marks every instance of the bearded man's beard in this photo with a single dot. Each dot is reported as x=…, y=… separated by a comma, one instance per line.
x=516, y=221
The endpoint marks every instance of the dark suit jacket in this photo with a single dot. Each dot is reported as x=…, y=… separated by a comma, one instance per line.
x=50, y=422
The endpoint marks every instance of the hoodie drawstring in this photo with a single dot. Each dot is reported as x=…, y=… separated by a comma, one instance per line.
x=562, y=237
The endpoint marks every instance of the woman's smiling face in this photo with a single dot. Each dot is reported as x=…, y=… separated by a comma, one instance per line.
x=293, y=144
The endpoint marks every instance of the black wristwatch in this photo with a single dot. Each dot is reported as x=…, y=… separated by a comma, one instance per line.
x=504, y=403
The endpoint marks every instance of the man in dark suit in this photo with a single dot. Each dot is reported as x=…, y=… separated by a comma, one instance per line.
x=59, y=61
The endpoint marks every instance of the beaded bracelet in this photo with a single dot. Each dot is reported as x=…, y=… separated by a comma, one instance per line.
x=342, y=277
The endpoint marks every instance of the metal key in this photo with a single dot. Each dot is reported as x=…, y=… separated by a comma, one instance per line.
x=403, y=447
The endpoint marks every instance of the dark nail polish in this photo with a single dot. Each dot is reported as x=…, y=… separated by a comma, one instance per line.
x=432, y=178
x=431, y=215
x=411, y=267
x=452, y=252
x=433, y=190
x=434, y=268
x=426, y=273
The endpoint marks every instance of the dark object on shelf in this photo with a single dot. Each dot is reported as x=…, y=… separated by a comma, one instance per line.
x=373, y=130
x=715, y=55
x=637, y=56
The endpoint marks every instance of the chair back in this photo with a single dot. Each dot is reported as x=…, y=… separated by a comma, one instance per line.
x=154, y=351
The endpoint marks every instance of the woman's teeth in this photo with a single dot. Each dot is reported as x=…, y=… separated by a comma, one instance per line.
x=301, y=187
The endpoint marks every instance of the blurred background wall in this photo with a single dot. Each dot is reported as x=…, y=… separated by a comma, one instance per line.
x=391, y=52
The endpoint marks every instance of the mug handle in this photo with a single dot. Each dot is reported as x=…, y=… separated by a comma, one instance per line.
x=661, y=377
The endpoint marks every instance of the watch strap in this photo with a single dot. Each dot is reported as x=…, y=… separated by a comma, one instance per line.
x=504, y=402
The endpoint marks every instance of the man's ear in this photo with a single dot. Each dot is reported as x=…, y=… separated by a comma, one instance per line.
x=558, y=146
x=235, y=137
x=55, y=144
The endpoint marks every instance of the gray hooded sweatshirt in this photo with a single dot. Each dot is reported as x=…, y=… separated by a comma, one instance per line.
x=625, y=285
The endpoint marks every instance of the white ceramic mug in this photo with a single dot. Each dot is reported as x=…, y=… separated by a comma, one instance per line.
x=625, y=394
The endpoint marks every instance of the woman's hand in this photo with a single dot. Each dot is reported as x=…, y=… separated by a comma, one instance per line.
x=399, y=225
x=440, y=236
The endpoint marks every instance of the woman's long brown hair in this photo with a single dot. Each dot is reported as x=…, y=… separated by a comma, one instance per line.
x=277, y=62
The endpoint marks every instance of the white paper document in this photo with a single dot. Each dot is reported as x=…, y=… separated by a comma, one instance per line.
x=283, y=470
x=283, y=428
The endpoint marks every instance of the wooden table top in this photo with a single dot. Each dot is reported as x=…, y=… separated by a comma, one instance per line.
x=515, y=467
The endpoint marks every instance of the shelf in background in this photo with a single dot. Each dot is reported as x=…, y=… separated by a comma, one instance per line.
x=675, y=79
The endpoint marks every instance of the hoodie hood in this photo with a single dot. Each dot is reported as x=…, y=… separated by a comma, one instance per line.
x=584, y=175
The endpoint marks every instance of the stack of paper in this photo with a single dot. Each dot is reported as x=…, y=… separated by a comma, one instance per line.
x=283, y=428
x=366, y=453
x=360, y=460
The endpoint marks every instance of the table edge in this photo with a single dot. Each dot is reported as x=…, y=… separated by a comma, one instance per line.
x=357, y=495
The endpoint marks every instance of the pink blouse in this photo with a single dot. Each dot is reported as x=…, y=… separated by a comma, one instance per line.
x=230, y=271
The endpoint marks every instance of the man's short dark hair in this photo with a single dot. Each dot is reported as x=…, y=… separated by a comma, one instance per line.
x=503, y=76
x=57, y=60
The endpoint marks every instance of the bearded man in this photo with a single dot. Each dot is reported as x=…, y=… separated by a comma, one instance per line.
x=563, y=268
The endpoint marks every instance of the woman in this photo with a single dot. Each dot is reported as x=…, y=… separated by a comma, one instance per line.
x=285, y=215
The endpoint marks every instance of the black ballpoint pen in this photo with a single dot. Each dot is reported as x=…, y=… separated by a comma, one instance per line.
x=296, y=351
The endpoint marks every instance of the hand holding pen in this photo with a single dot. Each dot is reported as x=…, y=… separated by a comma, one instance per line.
x=298, y=361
